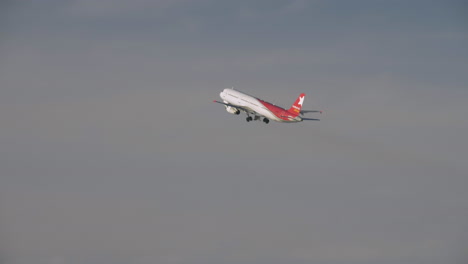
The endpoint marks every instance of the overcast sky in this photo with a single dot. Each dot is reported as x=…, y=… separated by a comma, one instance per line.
x=111, y=150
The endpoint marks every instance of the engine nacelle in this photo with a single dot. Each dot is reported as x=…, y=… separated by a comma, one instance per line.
x=232, y=110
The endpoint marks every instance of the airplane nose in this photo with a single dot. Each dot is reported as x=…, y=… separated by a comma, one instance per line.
x=221, y=94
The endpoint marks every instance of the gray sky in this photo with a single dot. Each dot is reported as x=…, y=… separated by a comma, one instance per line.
x=111, y=150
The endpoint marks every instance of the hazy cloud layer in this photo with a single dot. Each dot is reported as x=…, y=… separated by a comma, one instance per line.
x=112, y=152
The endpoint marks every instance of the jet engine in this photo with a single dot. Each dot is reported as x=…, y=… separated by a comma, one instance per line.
x=232, y=110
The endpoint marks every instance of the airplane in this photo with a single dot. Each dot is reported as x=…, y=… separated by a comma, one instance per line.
x=236, y=101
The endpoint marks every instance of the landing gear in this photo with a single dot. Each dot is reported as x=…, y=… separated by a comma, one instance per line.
x=265, y=120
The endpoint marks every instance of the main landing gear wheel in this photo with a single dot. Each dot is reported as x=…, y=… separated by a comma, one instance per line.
x=249, y=118
x=266, y=120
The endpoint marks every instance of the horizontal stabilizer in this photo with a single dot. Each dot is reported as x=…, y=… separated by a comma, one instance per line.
x=310, y=111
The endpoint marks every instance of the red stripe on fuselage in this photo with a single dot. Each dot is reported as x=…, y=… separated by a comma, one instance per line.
x=276, y=110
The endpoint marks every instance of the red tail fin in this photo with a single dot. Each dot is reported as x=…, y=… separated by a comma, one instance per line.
x=295, y=109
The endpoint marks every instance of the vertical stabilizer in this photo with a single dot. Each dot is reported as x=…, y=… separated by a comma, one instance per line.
x=295, y=109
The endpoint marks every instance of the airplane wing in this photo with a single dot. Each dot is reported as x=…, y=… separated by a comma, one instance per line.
x=248, y=111
x=310, y=119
